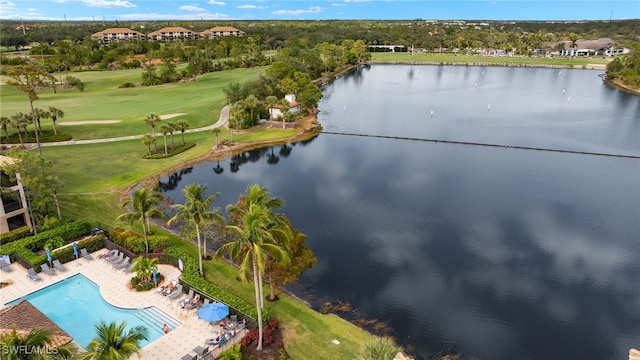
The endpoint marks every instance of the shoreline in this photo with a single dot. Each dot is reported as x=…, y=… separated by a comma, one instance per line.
x=487, y=63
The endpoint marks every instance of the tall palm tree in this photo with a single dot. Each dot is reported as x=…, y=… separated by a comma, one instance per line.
x=55, y=114
x=113, y=343
x=36, y=339
x=147, y=140
x=216, y=133
x=40, y=114
x=5, y=122
x=165, y=129
x=254, y=240
x=270, y=101
x=172, y=128
x=195, y=210
x=236, y=114
x=284, y=109
x=182, y=126
x=143, y=205
x=18, y=121
x=251, y=102
x=153, y=120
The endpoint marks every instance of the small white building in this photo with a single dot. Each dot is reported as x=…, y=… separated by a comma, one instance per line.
x=14, y=212
x=294, y=107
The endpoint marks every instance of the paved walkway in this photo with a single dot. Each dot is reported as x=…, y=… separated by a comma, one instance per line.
x=178, y=342
x=222, y=121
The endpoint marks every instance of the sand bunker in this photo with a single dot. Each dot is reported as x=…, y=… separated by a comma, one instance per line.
x=169, y=116
x=67, y=123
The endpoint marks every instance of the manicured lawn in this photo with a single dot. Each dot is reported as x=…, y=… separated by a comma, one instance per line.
x=576, y=62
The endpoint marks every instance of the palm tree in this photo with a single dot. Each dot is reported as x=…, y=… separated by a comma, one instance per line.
x=147, y=140
x=380, y=348
x=284, y=109
x=251, y=102
x=113, y=343
x=143, y=205
x=36, y=339
x=172, y=127
x=165, y=129
x=18, y=121
x=55, y=114
x=236, y=116
x=5, y=122
x=40, y=114
x=270, y=101
x=152, y=120
x=254, y=241
x=144, y=268
x=216, y=133
x=182, y=126
x=196, y=208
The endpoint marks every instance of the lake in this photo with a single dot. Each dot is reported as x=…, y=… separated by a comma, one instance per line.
x=490, y=252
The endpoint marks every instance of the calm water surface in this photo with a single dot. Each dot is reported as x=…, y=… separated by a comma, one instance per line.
x=495, y=253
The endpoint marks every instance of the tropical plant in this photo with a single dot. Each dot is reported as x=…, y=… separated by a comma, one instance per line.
x=147, y=140
x=153, y=120
x=143, y=205
x=216, y=133
x=55, y=114
x=236, y=116
x=143, y=267
x=40, y=114
x=19, y=121
x=5, y=122
x=112, y=342
x=251, y=102
x=31, y=345
x=165, y=129
x=196, y=208
x=254, y=239
x=380, y=348
x=270, y=101
x=284, y=109
x=182, y=126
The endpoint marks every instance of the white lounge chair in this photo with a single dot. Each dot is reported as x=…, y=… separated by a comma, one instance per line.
x=116, y=259
x=186, y=300
x=122, y=264
x=32, y=275
x=85, y=254
x=4, y=266
x=176, y=292
x=47, y=270
x=58, y=265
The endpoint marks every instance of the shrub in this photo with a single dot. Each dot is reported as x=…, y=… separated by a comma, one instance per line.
x=126, y=85
x=175, y=151
x=158, y=242
x=54, y=243
x=135, y=244
x=120, y=235
x=14, y=235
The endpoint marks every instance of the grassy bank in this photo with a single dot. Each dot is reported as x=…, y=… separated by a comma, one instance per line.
x=448, y=58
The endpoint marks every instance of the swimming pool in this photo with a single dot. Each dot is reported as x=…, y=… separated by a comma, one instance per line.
x=76, y=305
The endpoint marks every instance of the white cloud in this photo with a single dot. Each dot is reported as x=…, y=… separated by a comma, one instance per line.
x=356, y=1
x=102, y=3
x=311, y=10
x=193, y=16
x=338, y=4
x=190, y=8
x=249, y=6
x=214, y=2
x=6, y=5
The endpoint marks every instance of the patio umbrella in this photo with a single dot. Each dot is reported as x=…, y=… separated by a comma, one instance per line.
x=213, y=312
x=75, y=249
x=49, y=258
x=154, y=273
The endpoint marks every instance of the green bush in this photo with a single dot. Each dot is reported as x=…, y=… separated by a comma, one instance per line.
x=126, y=85
x=192, y=278
x=158, y=242
x=172, y=152
x=54, y=243
x=135, y=244
x=120, y=235
x=14, y=235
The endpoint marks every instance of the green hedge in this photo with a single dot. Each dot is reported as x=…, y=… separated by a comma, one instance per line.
x=14, y=235
x=135, y=242
x=192, y=278
x=172, y=152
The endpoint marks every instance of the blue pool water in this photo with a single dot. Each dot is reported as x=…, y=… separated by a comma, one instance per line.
x=76, y=305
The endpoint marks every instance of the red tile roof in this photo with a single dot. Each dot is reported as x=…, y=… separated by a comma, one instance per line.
x=25, y=317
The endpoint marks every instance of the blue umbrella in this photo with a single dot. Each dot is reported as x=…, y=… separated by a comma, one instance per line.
x=75, y=249
x=155, y=276
x=49, y=258
x=213, y=312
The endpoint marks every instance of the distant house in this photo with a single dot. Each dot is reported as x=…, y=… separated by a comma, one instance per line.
x=14, y=212
x=220, y=31
x=110, y=35
x=294, y=107
x=23, y=27
x=173, y=34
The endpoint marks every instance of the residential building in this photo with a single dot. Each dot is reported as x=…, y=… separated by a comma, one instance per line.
x=110, y=35
x=14, y=211
x=294, y=107
x=173, y=34
x=219, y=31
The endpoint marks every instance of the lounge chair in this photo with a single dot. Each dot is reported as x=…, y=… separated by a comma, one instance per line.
x=32, y=275
x=201, y=351
x=47, y=270
x=4, y=266
x=194, y=303
x=116, y=259
x=186, y=300
x=111, y=254
x=205, y=302
x=58, y=266
x=176, y=292
x=189, y=357
x=123, y=264
x=128, y=268
x=85, y=254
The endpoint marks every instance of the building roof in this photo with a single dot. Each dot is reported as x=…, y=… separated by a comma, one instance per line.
x=220, y=29
x=170, y=29
x=116, y=31
x=5, y=160
x=25, y=317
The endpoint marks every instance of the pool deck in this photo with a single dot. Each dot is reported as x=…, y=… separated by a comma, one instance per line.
x=113, y=287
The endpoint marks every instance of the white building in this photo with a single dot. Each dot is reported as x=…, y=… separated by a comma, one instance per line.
x=14, y=212
x=294, y=107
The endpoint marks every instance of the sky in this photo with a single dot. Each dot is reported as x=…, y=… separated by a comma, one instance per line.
x=127, y=10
